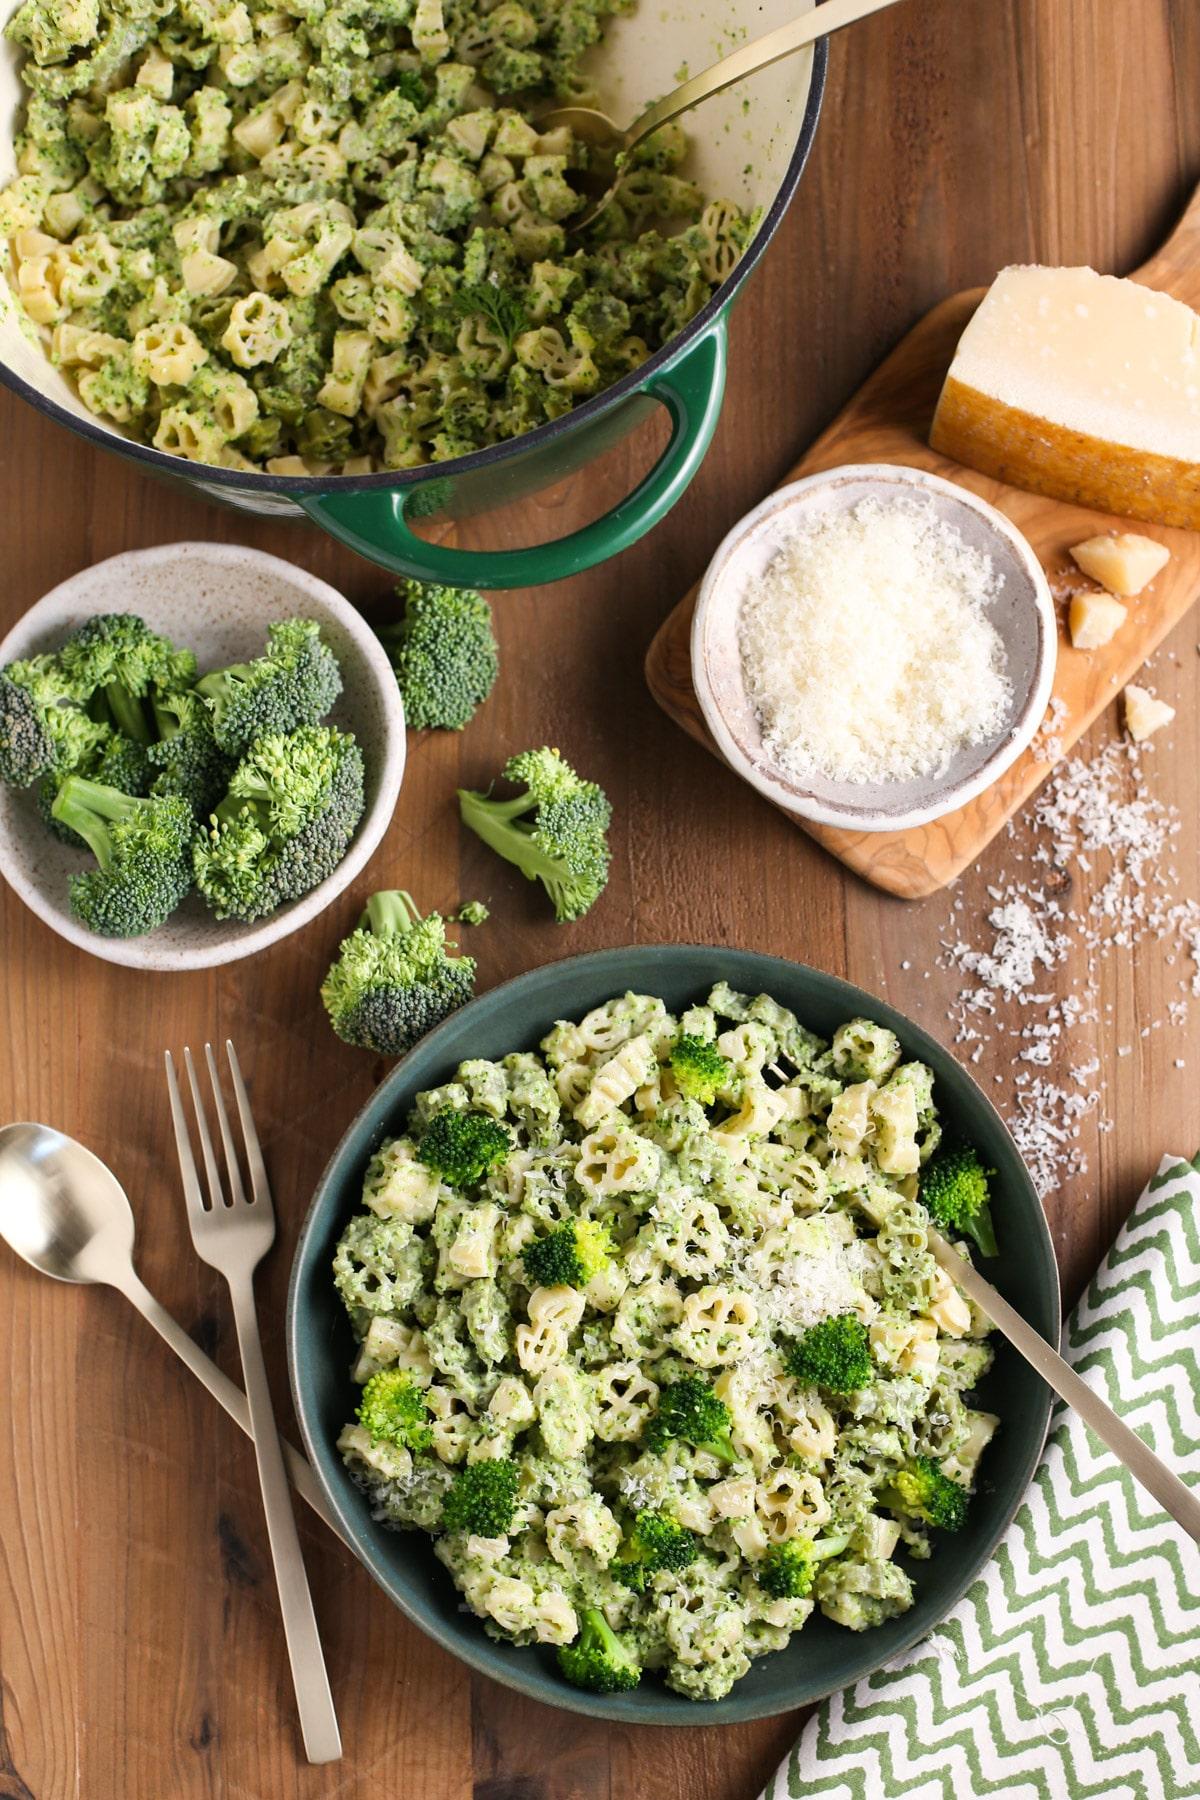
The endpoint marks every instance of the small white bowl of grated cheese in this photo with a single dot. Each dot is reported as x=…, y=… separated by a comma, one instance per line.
x=873, y=646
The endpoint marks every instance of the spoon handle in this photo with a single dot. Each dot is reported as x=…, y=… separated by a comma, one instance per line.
x=1126, y=1445
x=227, y=1393
x=821, y=22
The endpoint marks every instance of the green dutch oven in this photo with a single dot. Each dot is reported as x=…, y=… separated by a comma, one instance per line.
x=750, y=145
x=823, y=1656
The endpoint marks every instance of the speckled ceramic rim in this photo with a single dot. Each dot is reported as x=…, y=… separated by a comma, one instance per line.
x=518, y=1012
x=719, y=593
x=142, y=953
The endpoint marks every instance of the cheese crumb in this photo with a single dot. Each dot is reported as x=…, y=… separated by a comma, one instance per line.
x=1123, y=564
x=866, y=648
x=1095, y=619
x=1144, y=714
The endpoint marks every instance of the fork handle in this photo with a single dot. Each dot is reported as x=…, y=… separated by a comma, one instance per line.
x=1145, y=1467
x=318, y=1721
x=227, y=1394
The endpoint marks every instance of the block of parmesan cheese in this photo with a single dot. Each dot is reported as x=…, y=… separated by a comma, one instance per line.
x=1123, y=564
x=1144, y=712
x=1095, y=619
x=1081, y=386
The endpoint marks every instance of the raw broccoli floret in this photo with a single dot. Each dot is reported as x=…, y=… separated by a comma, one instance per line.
x=568, y=1256
x=473, y=912
x=656, y=1542
x=690, y=1409
x=393, y=979
x=483, y=1498
x=954, y=1189
x=598, y=1659
x=294, y=682
x=923, y=1492
x=187, y=760
x=143, y=848
x=834, y=1354
x=292, y=807
x=444, y=653
x=394, y=1409
x=788, y=1570
x=43, y=724
x=462, y=1147
x=699, y=1067
x=119, y=660
x=120, y=763
x=554, y=830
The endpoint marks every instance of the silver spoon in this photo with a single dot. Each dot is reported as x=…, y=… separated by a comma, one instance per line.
x=615, y=142
x=65, y=1213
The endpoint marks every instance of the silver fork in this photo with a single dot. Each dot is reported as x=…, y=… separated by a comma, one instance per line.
x=233, y=1234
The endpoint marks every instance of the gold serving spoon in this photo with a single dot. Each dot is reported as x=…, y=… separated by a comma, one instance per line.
x=596, y=129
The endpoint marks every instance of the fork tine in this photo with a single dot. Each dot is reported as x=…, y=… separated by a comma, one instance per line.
x=183, y=1143
x=237, y=1193
x=254, y=1156
x=216, y=1193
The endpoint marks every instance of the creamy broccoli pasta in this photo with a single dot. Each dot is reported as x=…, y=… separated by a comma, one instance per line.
x=651, y=1341
x=329, y=235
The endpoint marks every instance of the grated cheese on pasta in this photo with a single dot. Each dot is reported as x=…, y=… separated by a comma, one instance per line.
x=866, y=648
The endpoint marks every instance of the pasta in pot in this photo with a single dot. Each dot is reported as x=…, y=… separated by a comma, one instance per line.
x=544, y=1317
x=316, y=237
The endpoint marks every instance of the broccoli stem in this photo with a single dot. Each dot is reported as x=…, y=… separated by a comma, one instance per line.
x=128, y=714
x=391, y=910
x=84, y=806
x=498, y=823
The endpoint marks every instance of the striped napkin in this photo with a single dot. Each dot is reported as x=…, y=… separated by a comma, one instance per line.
x=1071, y=1668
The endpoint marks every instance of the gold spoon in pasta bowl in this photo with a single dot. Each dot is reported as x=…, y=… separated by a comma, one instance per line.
x=614, y=145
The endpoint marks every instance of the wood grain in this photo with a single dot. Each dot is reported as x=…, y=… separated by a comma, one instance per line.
x=887, y=421
x=140, y=1650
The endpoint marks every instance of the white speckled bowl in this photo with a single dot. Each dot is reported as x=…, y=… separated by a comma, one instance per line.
x=218, y=599
x=1023, y=616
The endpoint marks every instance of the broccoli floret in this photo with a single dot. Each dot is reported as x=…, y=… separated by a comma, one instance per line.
x=117, y=658
x=690, y=1409
x=921, y=1491
x=393, y=979
x=294, y=682
x=143, y=849
x=954, y=1189
x=293, y=805
x=473, y=912
x=554, y=830
x=393, y=1409
x=43, y=725
x=444, y=653
x=483, y=1498
x=598, y=1659
x=569, y=1256
x=835, y=1354
x=699, y=1068
x=462, y=1147
x=656, y=1542
x=187, y=760
x=788, y=1570
x=120, y=763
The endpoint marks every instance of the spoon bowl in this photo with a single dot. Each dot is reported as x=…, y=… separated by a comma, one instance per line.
x=61, y=1209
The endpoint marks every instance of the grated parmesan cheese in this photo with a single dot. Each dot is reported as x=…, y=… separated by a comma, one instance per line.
x=866, y=649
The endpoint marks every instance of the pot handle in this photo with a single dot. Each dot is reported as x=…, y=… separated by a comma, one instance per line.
x=372, y=521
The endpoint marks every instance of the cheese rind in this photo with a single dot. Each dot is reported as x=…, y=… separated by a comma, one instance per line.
x=1123, y=564
x=1083, y=387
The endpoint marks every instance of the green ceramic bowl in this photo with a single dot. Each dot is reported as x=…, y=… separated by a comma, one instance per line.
x=823, y=1656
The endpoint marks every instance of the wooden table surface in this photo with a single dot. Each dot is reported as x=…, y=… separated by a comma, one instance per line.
x=141, y=1656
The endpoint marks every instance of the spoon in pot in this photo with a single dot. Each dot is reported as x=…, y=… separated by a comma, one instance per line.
x=596, y=129
x=65, y=1213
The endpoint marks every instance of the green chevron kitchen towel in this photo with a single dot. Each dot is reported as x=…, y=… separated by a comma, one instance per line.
x=1071, y=1669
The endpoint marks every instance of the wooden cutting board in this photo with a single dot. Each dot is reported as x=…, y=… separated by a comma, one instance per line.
x=888, y=421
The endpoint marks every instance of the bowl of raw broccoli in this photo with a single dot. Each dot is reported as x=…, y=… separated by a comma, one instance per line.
x=973, y=1184
x=200, y=747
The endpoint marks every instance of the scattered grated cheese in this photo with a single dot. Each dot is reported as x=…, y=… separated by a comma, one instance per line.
x=866, y=648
